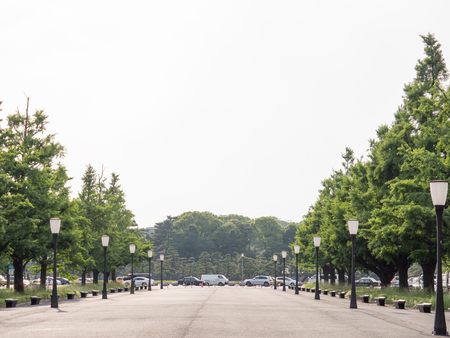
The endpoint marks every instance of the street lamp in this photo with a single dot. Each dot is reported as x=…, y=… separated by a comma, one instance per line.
x=161, y=258
x=242, y=278
x=105, y=241
x=132, y=249
x=275, y=257
x=283, y=254
x=439, y=191
x=317, y=240
x=297, y=251
x=55, y=225
x=150, y=255
x=353, y=229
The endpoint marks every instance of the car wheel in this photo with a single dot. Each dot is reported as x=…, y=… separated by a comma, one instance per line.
x=266, y=284
x=220, y=284
x=249, y=284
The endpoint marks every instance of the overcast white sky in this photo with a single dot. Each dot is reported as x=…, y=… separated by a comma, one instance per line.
x=239, y=107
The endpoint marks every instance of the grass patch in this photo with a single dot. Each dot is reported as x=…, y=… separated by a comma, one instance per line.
x=412, y=296
x=46, y=294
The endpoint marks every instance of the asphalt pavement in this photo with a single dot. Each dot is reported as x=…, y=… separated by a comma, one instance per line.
x=179, y=311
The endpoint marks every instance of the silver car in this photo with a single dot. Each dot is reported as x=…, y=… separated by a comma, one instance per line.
x=138, y=281
x=259, y=280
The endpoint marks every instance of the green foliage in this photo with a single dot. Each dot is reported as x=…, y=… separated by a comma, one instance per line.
x=389, y=193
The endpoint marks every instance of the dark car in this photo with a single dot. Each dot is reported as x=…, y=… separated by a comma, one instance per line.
x=367, y=281
x=64, y=281
x=191, y=281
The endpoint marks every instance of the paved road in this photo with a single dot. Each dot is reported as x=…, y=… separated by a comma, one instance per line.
x=213, y=312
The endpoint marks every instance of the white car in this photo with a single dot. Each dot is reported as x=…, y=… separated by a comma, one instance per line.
x=259, y=280
x=138, y=281
x=215, y=279
x=289, y=281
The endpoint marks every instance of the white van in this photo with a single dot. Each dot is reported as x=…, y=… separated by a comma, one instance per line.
x=215, y=279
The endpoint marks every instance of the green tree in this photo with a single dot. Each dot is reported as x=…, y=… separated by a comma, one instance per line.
x=32, y=189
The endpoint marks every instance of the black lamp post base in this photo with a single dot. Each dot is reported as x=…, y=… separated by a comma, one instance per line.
x=439, y=334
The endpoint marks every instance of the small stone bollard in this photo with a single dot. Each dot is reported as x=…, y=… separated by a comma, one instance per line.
x=119, y=290
x=365, y=298
x=70, y=295
x=35, y=300
x=399, y=304
x=333, y=293
x=84, y=294
x=380, y=301
x=325, y=292
x=11, y=302
x=424, y=307
x=94, y=292
x=341, y=294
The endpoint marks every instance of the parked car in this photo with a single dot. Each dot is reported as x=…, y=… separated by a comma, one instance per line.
x=2, y=280
x=191, y=281
x=88, y=280
x=48, y=282
x=414, y=282
x=289, y=281
x=367, y=281
x=259, y=280
x=64, y=281
x=26, y=283
x=215, y=279
x=119, y=279
x=138, y=281
x=395, y=281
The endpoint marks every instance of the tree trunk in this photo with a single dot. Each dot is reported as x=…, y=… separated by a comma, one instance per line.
x=95, y=275
x=403, y=264
x=326, y=272
x=341, y=274
x=43, y=284
x=18, y=275
x=113, y=275
x=332, y=274
x=83, y=278
x=428, y=269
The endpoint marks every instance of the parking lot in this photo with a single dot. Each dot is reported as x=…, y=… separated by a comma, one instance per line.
x=213, y=312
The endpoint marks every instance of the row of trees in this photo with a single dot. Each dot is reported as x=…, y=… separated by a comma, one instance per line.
x=33, y=189
x=193, y=233
x=233, y=267
x=389, y=193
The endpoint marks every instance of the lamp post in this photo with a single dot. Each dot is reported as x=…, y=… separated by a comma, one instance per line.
x=105, y=241
x=297, y=251
x=55, y=225
x=150, y=255
x=275, y=257
x=132, y=249
x=439, y=191
x=283, y=254
x=353, y=229
x=317, y=240
x=242, y=276
x=161, y=258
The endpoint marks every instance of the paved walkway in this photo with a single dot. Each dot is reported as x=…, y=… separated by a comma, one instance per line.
x=213, y=312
